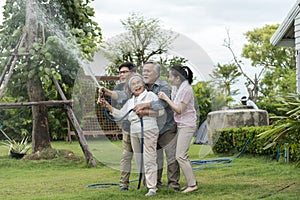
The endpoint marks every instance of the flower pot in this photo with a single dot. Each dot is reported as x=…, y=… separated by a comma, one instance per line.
x=16, y=155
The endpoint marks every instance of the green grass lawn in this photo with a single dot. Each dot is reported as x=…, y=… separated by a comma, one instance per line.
x=67, y=178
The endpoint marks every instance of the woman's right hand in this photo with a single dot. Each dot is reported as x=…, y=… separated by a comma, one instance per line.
x=162, y=96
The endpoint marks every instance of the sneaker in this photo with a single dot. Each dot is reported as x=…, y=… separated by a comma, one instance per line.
x=150, y=193
x=190, y=189
x=160, y=184
x=124, y=189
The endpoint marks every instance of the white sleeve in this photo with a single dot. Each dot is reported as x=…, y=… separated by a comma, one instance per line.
x=251, y=103
x=120, y=113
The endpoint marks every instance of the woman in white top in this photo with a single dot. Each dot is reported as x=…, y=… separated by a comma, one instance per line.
x=151, y=131
x=182, y=103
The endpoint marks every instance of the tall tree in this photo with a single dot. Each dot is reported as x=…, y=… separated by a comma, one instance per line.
x=208, y=99
x=252, y=84
x=224, y=76
x=59, y=35
x=40, y=128
x=278, y=62
x=277, y=74
x=143, y=39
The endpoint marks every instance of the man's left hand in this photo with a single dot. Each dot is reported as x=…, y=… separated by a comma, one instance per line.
x=140, y=107
x=140, y=113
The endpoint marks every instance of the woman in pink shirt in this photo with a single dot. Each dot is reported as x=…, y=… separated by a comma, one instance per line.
x=182, y=103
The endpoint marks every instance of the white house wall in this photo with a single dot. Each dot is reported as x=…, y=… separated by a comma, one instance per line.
x=297, y=47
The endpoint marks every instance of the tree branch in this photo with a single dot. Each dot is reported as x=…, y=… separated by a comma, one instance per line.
x=227, y=44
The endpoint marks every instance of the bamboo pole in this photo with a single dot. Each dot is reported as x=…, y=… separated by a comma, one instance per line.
x=78, y=130
x=10, y=65
x=21, y=104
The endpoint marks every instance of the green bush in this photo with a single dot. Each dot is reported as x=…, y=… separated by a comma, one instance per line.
x=232, y=140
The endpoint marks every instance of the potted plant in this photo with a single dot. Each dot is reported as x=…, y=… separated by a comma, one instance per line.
x=16, y=149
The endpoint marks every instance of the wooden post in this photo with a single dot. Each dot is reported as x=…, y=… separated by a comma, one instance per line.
x=9, y=67
x=69, y=131
x=34, y=103
x=78, y=130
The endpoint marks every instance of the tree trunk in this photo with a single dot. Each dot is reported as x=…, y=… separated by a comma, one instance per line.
x=40, y=130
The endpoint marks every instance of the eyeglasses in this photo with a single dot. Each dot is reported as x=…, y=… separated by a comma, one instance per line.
x=123, y=72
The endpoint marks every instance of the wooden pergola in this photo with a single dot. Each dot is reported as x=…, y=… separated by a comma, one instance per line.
x=67, y=106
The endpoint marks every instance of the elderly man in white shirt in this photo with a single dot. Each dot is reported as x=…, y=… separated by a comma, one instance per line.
x=248, y=102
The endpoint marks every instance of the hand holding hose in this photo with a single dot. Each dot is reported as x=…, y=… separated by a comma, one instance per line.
x=137, y=108
x=140, y=113
x=102, y=91
x=104, y=103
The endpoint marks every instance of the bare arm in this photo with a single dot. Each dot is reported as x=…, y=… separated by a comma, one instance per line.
x=178, y=108
x=147, y=112
x=141, y=106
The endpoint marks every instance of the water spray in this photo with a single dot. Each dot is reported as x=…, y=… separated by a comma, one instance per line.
x=91, y=73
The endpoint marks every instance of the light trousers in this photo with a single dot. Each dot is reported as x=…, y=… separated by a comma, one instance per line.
x=149, y=155
x=184, y=139
x=127, y=154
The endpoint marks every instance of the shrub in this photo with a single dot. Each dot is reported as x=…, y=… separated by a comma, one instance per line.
x=232, y=140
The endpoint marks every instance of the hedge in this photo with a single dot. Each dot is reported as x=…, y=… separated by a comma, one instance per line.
x=232, y=140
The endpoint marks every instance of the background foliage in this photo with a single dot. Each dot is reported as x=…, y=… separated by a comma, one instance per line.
x=67, y=35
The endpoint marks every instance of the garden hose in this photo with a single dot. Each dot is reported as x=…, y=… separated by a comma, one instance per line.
x=218, y=160
x=142, y=152
x=107, y=185
x=116, y=120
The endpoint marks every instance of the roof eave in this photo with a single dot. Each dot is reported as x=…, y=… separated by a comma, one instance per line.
x=277, y=38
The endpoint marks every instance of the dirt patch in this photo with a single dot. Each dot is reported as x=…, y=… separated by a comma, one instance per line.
x=51, y=153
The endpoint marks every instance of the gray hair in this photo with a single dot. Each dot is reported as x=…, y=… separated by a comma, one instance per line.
x=157, y=66
x=134, y=77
